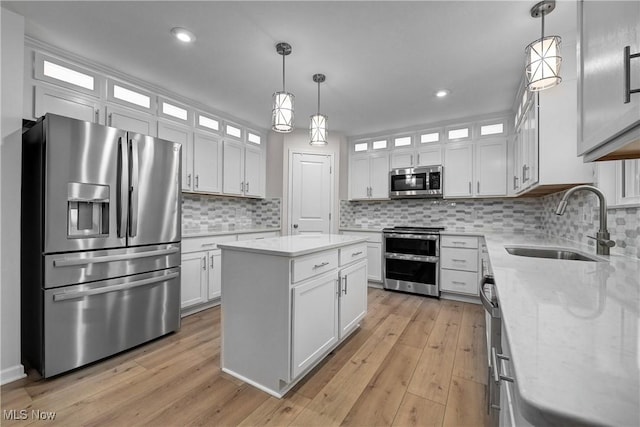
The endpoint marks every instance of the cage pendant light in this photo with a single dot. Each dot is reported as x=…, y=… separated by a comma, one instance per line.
x=318, y=127
x=282, y=112
x=543, y=55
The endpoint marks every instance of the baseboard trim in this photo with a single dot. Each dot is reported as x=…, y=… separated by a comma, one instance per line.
x=11, y=374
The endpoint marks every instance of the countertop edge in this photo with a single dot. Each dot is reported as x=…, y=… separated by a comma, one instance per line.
x=227, y=232
x=232, y=246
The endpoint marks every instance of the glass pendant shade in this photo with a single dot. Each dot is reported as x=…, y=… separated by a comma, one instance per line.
x=282, y=114
x=318, y=130
x=543, y=63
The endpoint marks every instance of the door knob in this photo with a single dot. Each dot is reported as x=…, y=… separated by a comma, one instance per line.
x=295, y=225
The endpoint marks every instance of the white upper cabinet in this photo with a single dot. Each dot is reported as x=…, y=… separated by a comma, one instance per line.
x=458, y=170
x=207, y=161
x=477, y=169
x=608, y=125
x=133, y=121
x=183, y=135
x=429, y=155
x=233, y=168
x=359, y=177
x=65, y=103
x=402, y=159
x=369, y=176
x=254, y=172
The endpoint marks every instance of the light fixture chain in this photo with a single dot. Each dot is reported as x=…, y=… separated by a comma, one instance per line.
x=318, y=96
x=283, y=68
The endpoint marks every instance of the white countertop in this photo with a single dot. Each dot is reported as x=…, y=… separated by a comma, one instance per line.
x=223, y=230
x=362, y=228
x=292, y=246
x=574, y=332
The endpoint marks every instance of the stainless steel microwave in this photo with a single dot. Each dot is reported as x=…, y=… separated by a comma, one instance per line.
x=422, y=181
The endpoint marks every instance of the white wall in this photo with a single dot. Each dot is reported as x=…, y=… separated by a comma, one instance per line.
x=12, y=53
x=274, y=159
x=298, y=141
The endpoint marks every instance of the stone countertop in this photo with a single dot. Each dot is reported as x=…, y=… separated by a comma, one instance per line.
x=573, y=329
x=292, y=246
x=223, y=230
x=371, y=229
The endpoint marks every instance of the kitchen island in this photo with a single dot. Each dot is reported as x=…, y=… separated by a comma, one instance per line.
x=286, y=303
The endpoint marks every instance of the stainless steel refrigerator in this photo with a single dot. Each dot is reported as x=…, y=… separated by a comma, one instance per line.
x=100, y=246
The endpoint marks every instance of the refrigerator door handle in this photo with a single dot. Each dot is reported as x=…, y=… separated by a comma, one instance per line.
x=69, y=262
x=133, y=201
x=123, y=186
x=63, y=296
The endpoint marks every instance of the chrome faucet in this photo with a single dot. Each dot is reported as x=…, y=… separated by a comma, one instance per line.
x=603, y=242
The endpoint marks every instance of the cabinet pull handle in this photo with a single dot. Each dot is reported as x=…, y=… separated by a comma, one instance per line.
x=204, y=245
x=458, y=242
x=458, y=260
x=320, y=265
x=478, y=187
x=515, y=182
x=197, y=181
x=247, y=189
x=110, y=119
x=188, y=180
x=242, y=186
x=345, y=285
x=469, y=187
x=211, y=262
x=204, y=262
x=339, y=280
x=627, y=74
x=411, y=159
x=97, y=116
x=356, y=253
x=418, y=161
x=458, y=283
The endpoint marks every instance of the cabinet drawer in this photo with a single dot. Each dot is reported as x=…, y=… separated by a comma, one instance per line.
x=353, y=253
x=311, y=265
x=464, y=282
x=459, y=259
x=206, y=243
x=459, y=241
x=259, y=235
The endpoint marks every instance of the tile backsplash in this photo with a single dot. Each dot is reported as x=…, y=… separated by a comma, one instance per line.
x=204, y=211
x=510, y=215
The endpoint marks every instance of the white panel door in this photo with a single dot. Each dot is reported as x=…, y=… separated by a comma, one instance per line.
x=254, y=172
x=232, y=168
x=310, y=197
x=65, y=103
x=374, y=261
x=193, y=279
x=182, y=135
x=359, y=177
x=401, y=159
x=132, y=121
x=207, y=163
x=429, y=156
x=379, y=176
x=491, y=168
x=353, y=297
x=314, y=321
x=458, y=170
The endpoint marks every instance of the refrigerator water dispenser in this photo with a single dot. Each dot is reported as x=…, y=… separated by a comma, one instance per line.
x=87, y=210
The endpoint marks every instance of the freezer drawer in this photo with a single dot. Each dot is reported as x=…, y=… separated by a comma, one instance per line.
x=83, y=267
x=85, y=323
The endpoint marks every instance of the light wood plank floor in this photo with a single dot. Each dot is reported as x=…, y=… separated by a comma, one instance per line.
x=415, y=361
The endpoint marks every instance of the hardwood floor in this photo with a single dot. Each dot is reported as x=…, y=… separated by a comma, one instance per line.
x=415, y=361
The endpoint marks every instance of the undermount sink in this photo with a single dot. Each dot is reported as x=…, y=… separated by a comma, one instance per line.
x=551, y=253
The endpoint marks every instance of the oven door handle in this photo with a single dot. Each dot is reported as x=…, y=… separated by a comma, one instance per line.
x=412, y=236
x=407, y=257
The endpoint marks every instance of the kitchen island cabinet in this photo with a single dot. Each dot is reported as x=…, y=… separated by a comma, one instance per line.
x=287, y=302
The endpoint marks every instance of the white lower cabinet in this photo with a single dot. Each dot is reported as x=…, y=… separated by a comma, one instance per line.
x=193, y=279
x=314, y=321
x=459, y=265
x=214, y=278
x=276, y=330
x=374, y=252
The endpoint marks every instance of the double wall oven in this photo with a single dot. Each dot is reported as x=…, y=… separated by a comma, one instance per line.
x=412, y=259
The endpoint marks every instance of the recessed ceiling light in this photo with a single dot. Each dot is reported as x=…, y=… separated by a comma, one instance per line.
x=442, y=93
x=183, y=34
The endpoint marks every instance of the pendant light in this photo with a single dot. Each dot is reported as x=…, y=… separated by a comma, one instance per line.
x=282, y=113
x=543, y=55
x=318, y=128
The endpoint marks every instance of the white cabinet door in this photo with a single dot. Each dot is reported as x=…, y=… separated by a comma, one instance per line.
x=65, y=103
x=314, y=321
x=207, y=159
x=374, y=261
x=429, y=156
x=359, y=177
x=353, y=297
x=458, y=170
x=130, y=120
x=232, y=168
x=254, y=172
x=379, y=176
x=182, y=135
x=193, y=279
x=214, y=274
x=402, y=159
x=491, y=168
x=606, y=29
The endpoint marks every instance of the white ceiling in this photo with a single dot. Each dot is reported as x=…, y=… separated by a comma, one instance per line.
x=383, y=60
